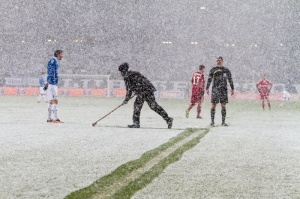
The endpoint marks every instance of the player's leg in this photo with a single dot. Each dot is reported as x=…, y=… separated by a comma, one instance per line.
x=215, y=98
x=268, y=102
x=49, y=99
x=212, y=113
x=262, y=101
x=223, y=113
x=223, y=101
x=40, y=95
x=137, y=107
x=150, y=99
x=54, y=102
x=192, y=104
x=199, y=107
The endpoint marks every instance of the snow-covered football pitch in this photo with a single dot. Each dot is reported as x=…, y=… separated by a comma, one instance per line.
x=256, y=156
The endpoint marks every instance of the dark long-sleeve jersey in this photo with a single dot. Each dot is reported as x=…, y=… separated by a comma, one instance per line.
x=219, y=76
x=137, y=83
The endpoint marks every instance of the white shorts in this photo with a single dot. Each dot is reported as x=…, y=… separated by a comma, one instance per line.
x=42, y=92
x=51, y=92
x=286, y=95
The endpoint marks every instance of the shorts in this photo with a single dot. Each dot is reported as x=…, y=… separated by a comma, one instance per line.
x=197, y=96
x=219, y=95
x=42, y=92
x=264, y=95
x=286, y=95
x=51, y=92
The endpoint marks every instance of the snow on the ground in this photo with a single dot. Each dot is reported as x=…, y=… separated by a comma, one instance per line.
x=257, y=156
x=43, y=160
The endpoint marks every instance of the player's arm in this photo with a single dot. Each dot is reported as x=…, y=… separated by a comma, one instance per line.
x=209, y=80
x=271, y=85
x=230, y=81
x=258, y=86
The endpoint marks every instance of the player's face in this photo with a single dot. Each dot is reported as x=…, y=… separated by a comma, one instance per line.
x=219, y=62
x=60, y=56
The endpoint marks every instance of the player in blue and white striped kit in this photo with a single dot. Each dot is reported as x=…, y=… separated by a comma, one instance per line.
x=51, y=85
x=42, y=82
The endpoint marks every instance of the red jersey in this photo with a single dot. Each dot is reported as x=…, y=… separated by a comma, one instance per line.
x=198, y=82
x=264, y=86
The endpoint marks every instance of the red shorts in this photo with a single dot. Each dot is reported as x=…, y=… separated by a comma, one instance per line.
x=197, y=96
x=264, y=95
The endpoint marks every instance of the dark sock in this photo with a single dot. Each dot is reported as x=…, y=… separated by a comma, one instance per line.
x=212, y=115
x=223, y=112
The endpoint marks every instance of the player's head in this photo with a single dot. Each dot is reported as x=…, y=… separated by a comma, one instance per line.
x=58, y=54
x=219, y=61
x=264, y=76
x=123, y=68
x=43, y=73
x=201, y=67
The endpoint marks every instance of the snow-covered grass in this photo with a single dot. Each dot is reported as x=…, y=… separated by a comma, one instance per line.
x=42, y=160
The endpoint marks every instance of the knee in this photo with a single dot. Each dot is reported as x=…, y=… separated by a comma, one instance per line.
x=54, y=101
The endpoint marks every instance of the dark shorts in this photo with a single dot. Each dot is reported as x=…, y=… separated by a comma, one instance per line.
x=219, y=96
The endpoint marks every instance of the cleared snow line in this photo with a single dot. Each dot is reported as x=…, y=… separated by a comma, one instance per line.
x=115, y=187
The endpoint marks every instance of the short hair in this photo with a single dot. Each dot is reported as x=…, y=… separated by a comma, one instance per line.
x=201, y=67
x=220, y=57
x=57, y=52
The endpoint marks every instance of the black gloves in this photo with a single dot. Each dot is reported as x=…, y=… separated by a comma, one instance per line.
x=45, y=87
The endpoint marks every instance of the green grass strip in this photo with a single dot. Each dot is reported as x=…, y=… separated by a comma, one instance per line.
x=122, y=171
x=147, y=177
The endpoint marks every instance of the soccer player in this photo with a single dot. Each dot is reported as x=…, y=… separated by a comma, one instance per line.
x=42, y=82
x=264, y=86
x=51, y=85
x=198, y=82
x=286, y=92
x=144, y=91
x=219, y=75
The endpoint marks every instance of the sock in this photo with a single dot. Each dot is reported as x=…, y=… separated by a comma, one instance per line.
x=269, y=104
x=223, y=112
x=49, y=111
x=212, y=115
x=54, y=111
x=263, y=105
x=198, y=110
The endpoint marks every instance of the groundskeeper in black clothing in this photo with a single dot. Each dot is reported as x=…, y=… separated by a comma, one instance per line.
x=144, y=90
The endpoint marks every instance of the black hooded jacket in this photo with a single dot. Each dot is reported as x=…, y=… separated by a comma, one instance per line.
x=137, y=83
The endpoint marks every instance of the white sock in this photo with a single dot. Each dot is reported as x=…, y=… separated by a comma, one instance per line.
x=49, y=111
x=54, y=110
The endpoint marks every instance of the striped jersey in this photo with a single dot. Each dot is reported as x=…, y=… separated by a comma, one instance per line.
x=52, y=71
x=42, y=81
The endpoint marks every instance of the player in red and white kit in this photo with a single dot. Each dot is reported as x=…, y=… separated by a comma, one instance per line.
x=264, y=86
x=198, y=82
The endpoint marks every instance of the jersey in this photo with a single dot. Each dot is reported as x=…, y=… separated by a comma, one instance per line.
x=136, y=82
x=264, y=86
x=198, y=84
x=198, y=81
x=42, y=81
x=219, y=77
x=52, y=71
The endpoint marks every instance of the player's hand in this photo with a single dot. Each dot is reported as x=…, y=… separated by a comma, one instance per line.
x=124, y=102
x=258, y=90
x=232, y=92
x=45, y=87
x=202, y=93
x=269, y=90
x=207, y=91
